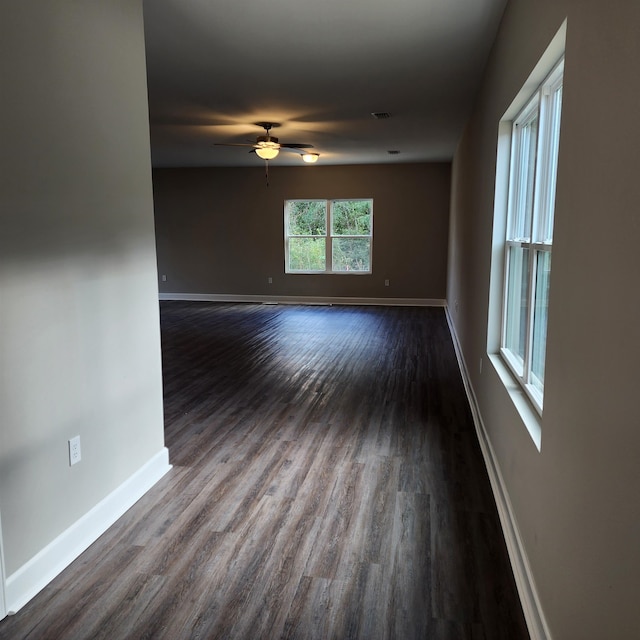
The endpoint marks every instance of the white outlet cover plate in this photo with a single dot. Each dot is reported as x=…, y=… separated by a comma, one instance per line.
x=74, y=450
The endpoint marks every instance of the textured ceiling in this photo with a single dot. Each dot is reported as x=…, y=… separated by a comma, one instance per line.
x=317, y=67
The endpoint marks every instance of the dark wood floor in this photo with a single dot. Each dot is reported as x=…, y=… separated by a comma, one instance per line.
x=327, y=483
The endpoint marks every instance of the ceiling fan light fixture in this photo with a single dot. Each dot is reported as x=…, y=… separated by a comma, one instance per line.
x=310, y=157
x=267, y=152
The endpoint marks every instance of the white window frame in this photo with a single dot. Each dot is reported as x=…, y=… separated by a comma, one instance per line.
x=545, y=106
x=329, y=237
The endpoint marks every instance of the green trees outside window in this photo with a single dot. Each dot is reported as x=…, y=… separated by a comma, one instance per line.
x=328, y=236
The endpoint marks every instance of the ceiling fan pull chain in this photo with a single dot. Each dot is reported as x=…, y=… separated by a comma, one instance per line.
x=266, y=171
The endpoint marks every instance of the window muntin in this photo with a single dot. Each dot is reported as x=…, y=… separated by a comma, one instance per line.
x=328, y=236
x=532, y=185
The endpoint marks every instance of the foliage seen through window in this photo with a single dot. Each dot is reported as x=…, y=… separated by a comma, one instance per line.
x=309, y=248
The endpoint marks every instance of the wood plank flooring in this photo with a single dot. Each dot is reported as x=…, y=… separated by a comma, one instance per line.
x=327, y=484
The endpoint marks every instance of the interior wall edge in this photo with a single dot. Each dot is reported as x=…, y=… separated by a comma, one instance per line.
x=523, y=575
x=3, y=603
x=37, y=573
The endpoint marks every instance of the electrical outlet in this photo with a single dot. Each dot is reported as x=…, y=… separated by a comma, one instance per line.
x=74, y=451
x=164, y=277
x=386, y=283
x=270, y=280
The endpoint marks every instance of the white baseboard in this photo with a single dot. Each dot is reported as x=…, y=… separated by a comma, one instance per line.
x=533, y=613
x=307, y=300
x=33, y=576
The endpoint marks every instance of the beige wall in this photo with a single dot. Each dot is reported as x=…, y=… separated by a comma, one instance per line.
x=577, y=500
x=220, y=231
x=79, y=330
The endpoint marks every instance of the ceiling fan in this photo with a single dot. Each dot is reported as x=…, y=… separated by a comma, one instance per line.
x=268, y=147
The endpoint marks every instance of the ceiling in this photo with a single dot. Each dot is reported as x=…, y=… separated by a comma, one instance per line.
x=319, y=68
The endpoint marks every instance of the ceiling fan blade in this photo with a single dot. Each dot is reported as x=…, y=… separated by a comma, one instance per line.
x=293, y=145
x=232, y=144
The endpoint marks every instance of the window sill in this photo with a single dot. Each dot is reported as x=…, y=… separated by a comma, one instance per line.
x=525, y=409
x=329, y=273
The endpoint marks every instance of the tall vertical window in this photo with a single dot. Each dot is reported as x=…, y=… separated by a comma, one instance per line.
x=532, y=186
x=328, y=236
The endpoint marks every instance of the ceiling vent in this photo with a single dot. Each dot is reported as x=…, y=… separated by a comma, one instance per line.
x=393, y=152
x=381, y=115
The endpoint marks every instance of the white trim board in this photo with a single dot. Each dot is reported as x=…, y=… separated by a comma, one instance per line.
x=307, y=300
x=33, y=576
x=525, y=583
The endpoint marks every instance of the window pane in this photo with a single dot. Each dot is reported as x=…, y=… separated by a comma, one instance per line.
x=516, y=305
x=552, y=168
x=351, y=254
x=307, y=254
x=351, y=218
x=539, y=344
x=307, y=218
x=526, y=141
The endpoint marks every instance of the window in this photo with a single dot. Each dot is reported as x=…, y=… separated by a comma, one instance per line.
x=328, y=236
x=532, y=184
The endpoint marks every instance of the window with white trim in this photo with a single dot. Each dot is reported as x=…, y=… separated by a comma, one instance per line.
x=328, y=236
x=529, y=239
